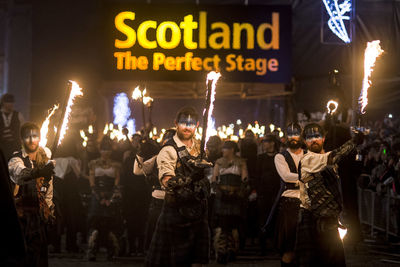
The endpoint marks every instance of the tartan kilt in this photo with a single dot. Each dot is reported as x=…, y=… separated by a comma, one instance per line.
x=286, y=224
x=178, y=241
x=315, y=247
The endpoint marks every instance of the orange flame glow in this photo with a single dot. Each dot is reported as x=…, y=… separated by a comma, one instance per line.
x=372, y=52
x=213, y=76
x=45, y=127
x=335, y=106
x=75, y=91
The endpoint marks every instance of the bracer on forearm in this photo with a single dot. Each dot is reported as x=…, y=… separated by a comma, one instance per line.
x=338, y=154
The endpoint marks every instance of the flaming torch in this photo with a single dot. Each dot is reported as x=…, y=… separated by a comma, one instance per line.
x=342, y=230
x=73, y=91
x=332, y=106
x=372, y=52
x=45, y=127
x=146, y=100
x=212, y=79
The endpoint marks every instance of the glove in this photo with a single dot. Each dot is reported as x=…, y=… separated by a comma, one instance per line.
x=47, y=171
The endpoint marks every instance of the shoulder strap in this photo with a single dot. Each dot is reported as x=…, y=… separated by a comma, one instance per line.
x=26, y=160
x=290, y=161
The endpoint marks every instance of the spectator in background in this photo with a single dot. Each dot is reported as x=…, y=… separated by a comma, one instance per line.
x=10, y=122
x=229, y=179
x=266, y=183
x=248, y=151
x=213, y=148
x=136, y=194
x=104, y=177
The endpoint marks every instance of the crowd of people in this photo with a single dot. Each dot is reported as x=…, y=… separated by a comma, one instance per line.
x=381, y=151
x=131, y=195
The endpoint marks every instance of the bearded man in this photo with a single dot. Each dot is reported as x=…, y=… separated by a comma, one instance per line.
x=287, y=164
x=318, y=242
x=182, y=234
x=31, y=171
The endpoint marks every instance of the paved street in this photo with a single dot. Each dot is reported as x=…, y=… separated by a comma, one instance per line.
x=367, y=255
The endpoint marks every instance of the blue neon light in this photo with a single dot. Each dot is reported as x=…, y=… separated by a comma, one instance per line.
x=121, y=109
x=338, y=13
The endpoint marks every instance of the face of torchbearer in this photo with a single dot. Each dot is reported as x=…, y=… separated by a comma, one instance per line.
x=294, y=141
x=186, y=128
x=30, y=140
x=315, y=144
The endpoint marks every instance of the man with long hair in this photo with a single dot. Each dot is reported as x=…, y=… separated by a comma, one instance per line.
x=31, y=172
x=182, y=234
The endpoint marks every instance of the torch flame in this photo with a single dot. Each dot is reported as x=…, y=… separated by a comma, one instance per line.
x=213, y=76
x=147, y=99
x=342, y=233
x=45, y=127
x=328, y=106
x=82, y=133
x=90, y=129
x=342, y=230
x=141, y=95
x=84, y=137
x=75, y=91
x=136, y=94
x=372, y=52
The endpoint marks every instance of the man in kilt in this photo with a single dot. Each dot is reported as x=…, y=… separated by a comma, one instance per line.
x=182, y=235
x=286, y=164
x=318, y=242
x=31, y=173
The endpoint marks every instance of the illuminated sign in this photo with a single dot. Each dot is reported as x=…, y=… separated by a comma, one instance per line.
x=176, y=42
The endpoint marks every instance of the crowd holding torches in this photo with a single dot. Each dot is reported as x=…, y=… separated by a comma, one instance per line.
x=230, y=132
x=233, y=132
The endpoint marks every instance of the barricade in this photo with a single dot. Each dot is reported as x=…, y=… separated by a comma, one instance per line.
x=379, y=211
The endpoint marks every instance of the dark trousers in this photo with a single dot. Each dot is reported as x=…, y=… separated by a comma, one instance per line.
x=264, y=205
x=73, y=211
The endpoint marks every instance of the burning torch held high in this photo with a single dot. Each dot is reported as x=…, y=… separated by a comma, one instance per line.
x=372, y=52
